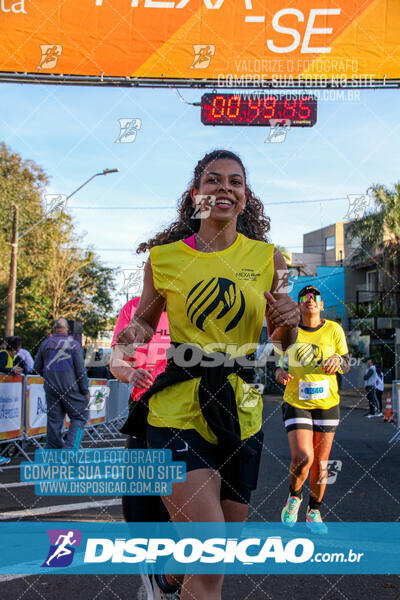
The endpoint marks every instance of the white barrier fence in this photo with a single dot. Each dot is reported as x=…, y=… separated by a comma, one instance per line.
x=23, y=410
x=11, y=407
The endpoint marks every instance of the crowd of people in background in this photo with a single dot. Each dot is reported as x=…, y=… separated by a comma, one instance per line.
x=14, y=360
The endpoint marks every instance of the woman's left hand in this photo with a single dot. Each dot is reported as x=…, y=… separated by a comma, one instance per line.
x=283, y=312
x=331, y=364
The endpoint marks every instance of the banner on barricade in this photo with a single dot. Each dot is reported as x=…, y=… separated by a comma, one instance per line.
x=98, y=394
x=36, y=406
x=11, y=400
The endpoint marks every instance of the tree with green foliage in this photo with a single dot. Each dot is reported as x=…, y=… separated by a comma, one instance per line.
x=55, y=276
x=378, y=237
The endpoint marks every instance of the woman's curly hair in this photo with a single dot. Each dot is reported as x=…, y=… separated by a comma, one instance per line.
x=252, y=223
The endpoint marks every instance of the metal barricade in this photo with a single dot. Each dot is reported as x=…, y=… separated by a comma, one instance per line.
x=118, y=403
x=23, y=410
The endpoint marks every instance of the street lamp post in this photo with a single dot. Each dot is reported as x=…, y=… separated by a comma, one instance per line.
x=12, y=283
x=104, y=172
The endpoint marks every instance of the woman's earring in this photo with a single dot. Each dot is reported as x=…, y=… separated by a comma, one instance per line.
x=241, y=212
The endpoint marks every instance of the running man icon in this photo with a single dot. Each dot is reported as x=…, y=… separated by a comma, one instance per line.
x=61, y=552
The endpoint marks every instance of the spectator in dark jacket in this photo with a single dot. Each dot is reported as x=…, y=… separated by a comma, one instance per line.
x=10, y=362
x=60, y=363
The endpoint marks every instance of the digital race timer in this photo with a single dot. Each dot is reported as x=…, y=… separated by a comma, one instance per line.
x=258, y=109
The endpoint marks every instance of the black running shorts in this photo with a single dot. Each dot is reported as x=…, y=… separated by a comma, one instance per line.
x=316, y=419
x=142, y=508
x=187, y=445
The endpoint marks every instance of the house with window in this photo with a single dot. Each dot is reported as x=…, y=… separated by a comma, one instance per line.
x=362, y=295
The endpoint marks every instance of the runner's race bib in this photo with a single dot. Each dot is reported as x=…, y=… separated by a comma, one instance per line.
x=313, y=390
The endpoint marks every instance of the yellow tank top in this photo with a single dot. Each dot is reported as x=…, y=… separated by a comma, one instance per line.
x=311, y=387
x=215, y=300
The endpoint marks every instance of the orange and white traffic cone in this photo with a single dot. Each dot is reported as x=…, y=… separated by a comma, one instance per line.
x=388, y=410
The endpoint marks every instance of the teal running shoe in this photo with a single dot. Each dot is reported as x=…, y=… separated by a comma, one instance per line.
x=290, y=511
x=315, y=522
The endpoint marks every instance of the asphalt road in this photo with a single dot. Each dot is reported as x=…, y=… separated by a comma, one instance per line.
x=366, y=489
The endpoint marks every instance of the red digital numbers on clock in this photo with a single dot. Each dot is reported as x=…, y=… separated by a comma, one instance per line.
x=255, y=106
x=218, y=107
x=258, y=109
x=269, y=110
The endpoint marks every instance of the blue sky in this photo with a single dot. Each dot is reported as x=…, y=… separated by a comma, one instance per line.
x=71, y=131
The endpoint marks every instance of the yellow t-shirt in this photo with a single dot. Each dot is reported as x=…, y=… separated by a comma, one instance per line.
x=215, y=301
x=310, y=386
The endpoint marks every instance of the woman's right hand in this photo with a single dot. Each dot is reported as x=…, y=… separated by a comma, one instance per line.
x=141, y=378
x=138, y=333
x=282, y=376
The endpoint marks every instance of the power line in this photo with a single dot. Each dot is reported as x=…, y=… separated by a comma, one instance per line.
x=299, y=202
x=124, y=207
x=287, y=248
x=304, y=201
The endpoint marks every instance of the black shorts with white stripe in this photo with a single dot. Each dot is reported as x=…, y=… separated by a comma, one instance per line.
x=189, y=446
x=315, y=419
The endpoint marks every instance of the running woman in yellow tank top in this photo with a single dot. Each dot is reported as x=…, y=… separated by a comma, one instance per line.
x=311, y=404
x=217, y=276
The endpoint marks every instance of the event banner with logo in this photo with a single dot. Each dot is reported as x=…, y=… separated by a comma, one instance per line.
x=253, y=548
x=10, y=407
x=202, y=39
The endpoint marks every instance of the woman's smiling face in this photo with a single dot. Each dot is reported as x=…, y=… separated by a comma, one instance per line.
x=224, y=180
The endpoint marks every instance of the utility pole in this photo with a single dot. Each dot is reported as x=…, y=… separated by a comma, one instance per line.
x=13, y=276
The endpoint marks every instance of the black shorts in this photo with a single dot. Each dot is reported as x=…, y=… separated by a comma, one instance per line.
x=187, y=445
x=315, y=419
x=142, y=508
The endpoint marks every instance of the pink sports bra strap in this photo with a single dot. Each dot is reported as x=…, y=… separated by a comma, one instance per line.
x=190, y=241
